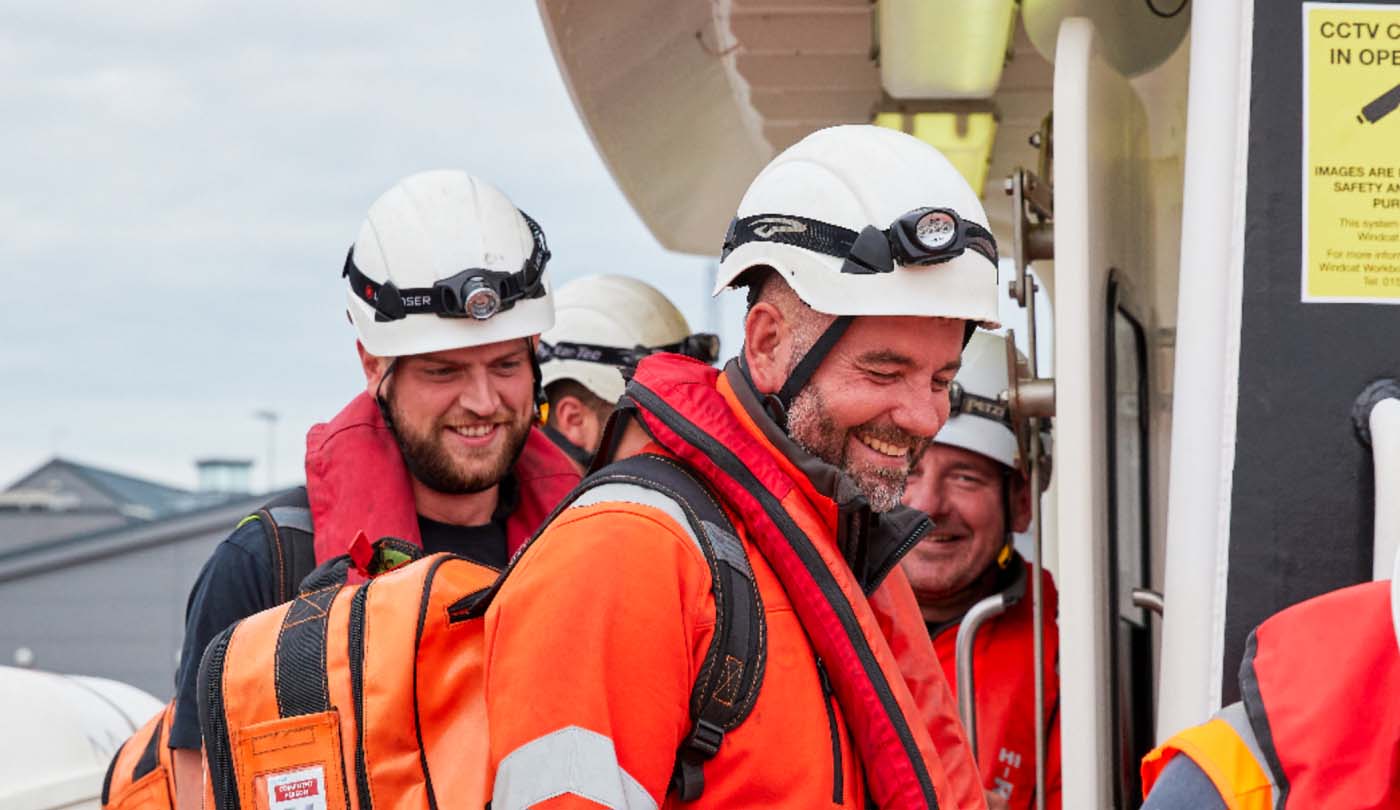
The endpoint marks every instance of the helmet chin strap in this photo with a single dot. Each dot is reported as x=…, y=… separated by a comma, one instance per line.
x=379, y=399
x=539, y=378
x=778, y=404
x=1009, y=534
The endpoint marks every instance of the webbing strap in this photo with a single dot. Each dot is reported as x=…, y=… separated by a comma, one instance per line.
x=287, y=528
x=807, y=366
x=300, y=658
x=580, y=456
x=150, y=756
x=728, y=681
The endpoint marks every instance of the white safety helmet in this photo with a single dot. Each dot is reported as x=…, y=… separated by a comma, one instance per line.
x=980, y=418
x=444, y=261
x=865, y=220
x=606, y=323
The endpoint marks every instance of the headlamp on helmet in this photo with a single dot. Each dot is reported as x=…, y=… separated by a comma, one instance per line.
x=922, y=237
x=476, y=292
x=963, y=402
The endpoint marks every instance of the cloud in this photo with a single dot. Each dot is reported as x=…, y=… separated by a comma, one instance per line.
x=182, y=181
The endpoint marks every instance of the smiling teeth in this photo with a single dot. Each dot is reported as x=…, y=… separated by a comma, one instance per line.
x=885, y=448
x=475, y=431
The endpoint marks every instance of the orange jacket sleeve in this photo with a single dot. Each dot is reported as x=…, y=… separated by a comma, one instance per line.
x=589, y=647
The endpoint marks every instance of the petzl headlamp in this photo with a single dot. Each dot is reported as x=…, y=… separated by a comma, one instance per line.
x=964, y=402
x=475, y=293
x=701, y=346
x=922, y=237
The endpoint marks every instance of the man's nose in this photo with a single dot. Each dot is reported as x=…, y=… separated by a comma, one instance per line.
x=478, y=395
x=922, y=413
x=925, y=493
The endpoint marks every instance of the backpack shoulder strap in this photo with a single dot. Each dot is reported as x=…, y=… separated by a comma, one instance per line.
x=286, y=524
x=730, y=676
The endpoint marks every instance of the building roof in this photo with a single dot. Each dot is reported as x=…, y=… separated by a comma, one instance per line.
x=61, y=552
x=136, y=498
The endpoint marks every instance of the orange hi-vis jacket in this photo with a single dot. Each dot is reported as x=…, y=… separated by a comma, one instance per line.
x=1004, y=676
x=594, y=640
x=1318, y=723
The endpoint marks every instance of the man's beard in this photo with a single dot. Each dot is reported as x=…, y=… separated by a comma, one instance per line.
x=813, y=429
x=437, y=469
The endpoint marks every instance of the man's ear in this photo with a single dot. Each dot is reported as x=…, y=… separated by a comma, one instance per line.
x=1020, y=502
x=576, y=421
x=373, y=366
x=765, y=347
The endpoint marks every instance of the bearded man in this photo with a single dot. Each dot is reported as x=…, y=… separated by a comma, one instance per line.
x=868, y=261
x=446, y=289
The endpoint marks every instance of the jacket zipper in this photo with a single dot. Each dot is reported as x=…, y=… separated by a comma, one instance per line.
x=920, y=530
x=838, y=775
x=215, y=724
x=357, y=688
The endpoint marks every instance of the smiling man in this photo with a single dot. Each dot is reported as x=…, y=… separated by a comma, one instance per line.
x=612, y=674
x=447, y=291
x=969, y=482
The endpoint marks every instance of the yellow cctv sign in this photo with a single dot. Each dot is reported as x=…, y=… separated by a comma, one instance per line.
x=1351, y=153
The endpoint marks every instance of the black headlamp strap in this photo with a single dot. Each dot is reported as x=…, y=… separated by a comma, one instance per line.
x=807, y=366
x=699, y=346
x=391, y=303
x=871, y=250
x=591, y=353
x=812, y=234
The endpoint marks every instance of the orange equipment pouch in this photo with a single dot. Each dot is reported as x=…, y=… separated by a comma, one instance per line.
x=140, y=776
x=352, y=697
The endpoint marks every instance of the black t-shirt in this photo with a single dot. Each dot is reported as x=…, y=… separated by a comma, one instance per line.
x=483, y=544
x=238, y=581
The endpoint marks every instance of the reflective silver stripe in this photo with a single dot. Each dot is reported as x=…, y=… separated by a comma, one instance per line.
x=643, y=496
x=570, y=760
x=728, y=548
x=1238, y=719
x=293, y=517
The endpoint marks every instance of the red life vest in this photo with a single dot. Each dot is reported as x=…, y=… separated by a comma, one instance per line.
x=1004, y=677
x=357, y=483
x=901, y=716
x=1318, y=724
x=1321, y=686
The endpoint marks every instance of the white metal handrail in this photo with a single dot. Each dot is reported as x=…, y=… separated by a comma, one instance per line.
x=1385, y=452
x=988, y=608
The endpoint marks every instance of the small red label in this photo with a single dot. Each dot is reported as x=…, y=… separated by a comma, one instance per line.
x=292, y=791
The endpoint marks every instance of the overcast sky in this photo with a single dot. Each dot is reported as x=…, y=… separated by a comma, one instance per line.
x=180, y=183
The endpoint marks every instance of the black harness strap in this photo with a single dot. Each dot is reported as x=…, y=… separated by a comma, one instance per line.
x=732, y=672
x=730, y=676
x=286, y=524
x=300, y=657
